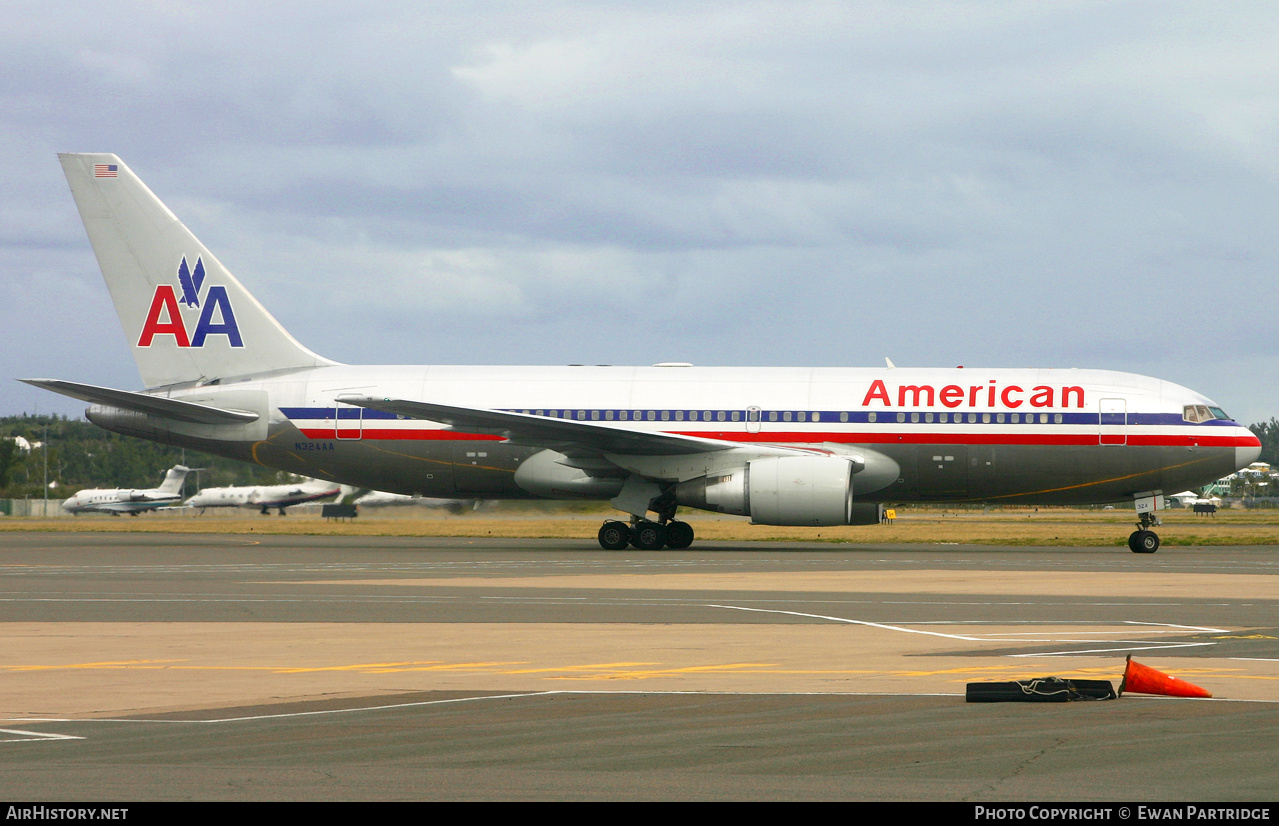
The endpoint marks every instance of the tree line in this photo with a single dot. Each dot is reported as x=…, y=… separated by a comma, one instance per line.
x=81, y=455
x=1268, y=433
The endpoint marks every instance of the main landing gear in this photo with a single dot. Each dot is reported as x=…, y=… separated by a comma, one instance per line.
x=646, y=535
x=1143, y=540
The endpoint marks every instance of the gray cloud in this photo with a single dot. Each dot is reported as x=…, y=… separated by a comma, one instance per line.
x=1059, y=184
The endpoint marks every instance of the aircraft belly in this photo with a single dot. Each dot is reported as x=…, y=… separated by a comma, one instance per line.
x=440, y=468
x=471, y=467
x=995, y=474
x=433, y=468
x=941, y=473
x=1046, y=475
x=485, y=468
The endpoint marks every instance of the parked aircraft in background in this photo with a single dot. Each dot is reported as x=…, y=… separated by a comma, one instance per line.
x=382, y=499
x=264, y=497
x=132, y=502
x=783, y=446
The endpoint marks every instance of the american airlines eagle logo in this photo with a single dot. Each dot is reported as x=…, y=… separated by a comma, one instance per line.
x=165, y=317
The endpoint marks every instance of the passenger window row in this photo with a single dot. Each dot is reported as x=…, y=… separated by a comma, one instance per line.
x=805, y=416
x=973, y=418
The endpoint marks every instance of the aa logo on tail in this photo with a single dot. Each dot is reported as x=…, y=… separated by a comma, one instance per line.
x=164, y=317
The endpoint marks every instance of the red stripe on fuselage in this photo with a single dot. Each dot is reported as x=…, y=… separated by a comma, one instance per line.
x=431, y=434
x=808, y=438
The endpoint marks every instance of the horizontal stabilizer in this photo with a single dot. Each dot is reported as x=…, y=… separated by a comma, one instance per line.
x=143, y=403
x=541, y=430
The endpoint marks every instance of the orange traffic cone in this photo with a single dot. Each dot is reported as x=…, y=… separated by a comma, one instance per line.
x=1142, y=679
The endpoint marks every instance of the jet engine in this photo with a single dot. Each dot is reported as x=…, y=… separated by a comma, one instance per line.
x=783, y=490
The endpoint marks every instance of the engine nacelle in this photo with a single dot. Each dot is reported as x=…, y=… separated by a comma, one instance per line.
x=783, y=490
x=801, y=490
x=546, y=474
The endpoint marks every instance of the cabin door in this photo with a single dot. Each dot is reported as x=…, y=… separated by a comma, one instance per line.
x=1112, y=422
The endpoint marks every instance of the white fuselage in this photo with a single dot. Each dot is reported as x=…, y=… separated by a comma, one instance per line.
x=132, y=501
x=119, y=500
x=1042, y=435
x=263, y=496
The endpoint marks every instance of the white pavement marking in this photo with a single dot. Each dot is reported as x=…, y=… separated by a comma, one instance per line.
x=1183, y=627
x=294, y=713
x=1120, y=650
x=32, y=736
x=35, y=735
x=1140, y=645
x=851, y=622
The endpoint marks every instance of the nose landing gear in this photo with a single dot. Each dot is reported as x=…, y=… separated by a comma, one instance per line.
x=1143, y=540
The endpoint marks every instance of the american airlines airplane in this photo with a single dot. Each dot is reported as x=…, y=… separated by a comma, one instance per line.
x=264, y=497
x=782, y=446
x=132, y=502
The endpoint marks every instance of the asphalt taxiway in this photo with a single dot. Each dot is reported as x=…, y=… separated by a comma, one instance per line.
x=200, y=667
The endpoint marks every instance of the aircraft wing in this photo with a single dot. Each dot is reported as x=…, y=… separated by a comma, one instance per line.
x=144, y=403
x=154, y=496
x=115, y=507
x=540, y=430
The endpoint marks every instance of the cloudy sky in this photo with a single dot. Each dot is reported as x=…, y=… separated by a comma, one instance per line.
x=1009, y=184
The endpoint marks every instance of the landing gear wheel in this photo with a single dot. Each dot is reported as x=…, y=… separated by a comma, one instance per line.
x=648, y=536
x=679, y=535
x=614, y=536
x=1143, y=542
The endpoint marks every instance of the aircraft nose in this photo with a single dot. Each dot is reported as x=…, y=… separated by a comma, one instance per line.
x=1247, y=454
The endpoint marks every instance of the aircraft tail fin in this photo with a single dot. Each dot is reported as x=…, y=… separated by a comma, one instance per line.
x=174, y=478
x=186, y=317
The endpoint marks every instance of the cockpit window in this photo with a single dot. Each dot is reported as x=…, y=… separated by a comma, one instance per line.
x=1196, y=413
